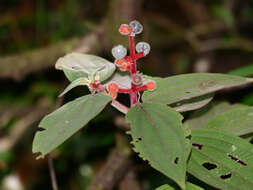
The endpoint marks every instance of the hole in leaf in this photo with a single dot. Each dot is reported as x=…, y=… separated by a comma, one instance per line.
x=187, y=92
x=197, y=146
x=139, y=139
x=188, y=137
x=237, y=160
x=41, y=129
x=209, y=166
x=251, y=141
x=176, y=160
x=226, y=176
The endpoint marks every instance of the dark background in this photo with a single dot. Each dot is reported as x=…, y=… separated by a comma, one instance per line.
x=185, y=36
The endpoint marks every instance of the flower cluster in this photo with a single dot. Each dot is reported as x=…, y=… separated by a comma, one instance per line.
x=128, y=63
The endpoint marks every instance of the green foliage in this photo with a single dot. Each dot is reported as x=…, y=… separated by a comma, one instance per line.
x=189, y=186
x=243, y=71
x=238, y=121
x=67, y=120
x=183, y=87
x=77, y=65
x=159, y=137
x=199, y=118
x=193, y=103
x=221, y=160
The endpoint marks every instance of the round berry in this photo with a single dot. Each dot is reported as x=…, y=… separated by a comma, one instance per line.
x=112, y=87
x=124, y=29
x=123, y=67
x=119, y=62
x=151, y=85
x=136, y=26
x=119, y=52
x=143, y=47
x=137, y=79
x=113, y=94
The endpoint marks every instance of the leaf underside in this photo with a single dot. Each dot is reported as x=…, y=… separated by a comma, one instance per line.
x=221, y=160
x=159, y=137
x=193, y=104
x=77, y=65
x=67, y=120
x=186, y=86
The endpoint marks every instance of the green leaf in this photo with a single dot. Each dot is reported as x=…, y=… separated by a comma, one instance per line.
x=199, y=118
x=189, y=186
x=221, y=160
x=159, y=137
x=77, y=65
x=165, y=187
x=193, y=104
x=75, y=83
x=243, y=71
x=183, y=87
x=67, y=120
x=237, y=121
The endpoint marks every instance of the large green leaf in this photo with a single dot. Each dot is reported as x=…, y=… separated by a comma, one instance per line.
x=183, y=87
x=67, y=120
x=221, y=160
x=199, y=118
x=159, y=137
x=77, y=65
x=237, y=121
x=189, y=186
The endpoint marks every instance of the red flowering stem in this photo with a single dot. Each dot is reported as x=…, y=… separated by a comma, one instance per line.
x=133, y=94
x=132, y=54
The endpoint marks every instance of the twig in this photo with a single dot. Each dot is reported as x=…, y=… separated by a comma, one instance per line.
x=52, y=172
x=116, y=166
x=19, y=65
x=130, y=182
x=121, y=123
x=22, y=124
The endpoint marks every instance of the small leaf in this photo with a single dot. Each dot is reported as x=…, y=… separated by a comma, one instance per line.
x=159, y=137
x=189, y=186
x=238, y=121
x=183, y=87
x=77, y=65
x=221, y=160
x=67, y=120
x=199, y=118
x=75, y=83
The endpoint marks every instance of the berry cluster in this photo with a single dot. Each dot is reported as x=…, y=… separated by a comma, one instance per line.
x=128, y=63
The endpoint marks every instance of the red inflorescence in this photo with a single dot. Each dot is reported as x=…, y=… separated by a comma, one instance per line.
x=128, y=63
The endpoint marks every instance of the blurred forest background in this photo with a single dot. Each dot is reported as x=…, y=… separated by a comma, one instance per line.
x=185, y=36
